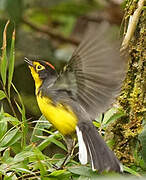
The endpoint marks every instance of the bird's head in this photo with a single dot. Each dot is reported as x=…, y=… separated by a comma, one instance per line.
x=41, y=70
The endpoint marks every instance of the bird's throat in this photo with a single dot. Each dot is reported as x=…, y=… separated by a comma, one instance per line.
x=38, y=81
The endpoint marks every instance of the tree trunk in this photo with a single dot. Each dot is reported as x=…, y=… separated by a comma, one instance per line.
x=127, y=128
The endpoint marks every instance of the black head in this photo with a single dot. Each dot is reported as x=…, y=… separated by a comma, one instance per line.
x=41, y=69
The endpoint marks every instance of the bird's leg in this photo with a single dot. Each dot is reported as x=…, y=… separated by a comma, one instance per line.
x=70, y=146
x=102, y=117
x=100, y=128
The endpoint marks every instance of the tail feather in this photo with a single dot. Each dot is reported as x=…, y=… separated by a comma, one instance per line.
x=82, y=148
x=99, y=155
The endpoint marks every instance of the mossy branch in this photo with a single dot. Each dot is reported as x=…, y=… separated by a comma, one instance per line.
x=133, y=20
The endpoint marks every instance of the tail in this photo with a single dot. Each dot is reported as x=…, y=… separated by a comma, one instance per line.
x=93, y=148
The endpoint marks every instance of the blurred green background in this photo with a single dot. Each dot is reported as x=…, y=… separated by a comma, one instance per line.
x=49, y=30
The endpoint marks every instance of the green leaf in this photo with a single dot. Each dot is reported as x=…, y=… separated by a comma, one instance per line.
x=19, y=108
x=142, y=138
x=3, y=128
x=41, y=124
x=18, y=166
x=15, y=139
x=58, y=143
x=46, y=142
x=57, y=172
x=2, y=95
x=3, y=67
x=60, y=175
x=19, y=169
x=114, y=117
x=10, y=138
x=23, y=155
x=22, y=111
x=42, y=168
x=11, y=62
x=39, y=155
x=131, y=171
x=58, y=156
x=24, y=120
x=11, y=120
x=83, y=171
x=16, y=148
x=6, y=155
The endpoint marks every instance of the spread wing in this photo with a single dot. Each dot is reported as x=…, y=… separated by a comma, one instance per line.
x=94, y=73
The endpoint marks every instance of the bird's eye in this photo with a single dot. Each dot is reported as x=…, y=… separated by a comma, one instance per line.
x=39, y=67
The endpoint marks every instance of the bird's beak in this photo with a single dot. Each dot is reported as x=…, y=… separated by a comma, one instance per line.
x=30, y=63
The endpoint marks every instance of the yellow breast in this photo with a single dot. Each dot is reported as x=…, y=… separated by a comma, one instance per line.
x=62, y=117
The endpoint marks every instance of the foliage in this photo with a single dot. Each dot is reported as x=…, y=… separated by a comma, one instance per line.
x=142, y=138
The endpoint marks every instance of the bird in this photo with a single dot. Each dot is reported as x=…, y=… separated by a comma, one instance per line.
x=86, y=87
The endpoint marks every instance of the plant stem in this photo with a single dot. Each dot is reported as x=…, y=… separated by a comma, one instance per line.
x=9, y=100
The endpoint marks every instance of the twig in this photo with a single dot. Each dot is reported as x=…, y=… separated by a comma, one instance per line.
x=28, y=176
x=132, y=25
x=51, y=33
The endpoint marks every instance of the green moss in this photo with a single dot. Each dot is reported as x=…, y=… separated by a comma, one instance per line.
x=126, y=130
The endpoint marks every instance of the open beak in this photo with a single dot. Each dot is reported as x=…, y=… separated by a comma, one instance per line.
x=30, y=63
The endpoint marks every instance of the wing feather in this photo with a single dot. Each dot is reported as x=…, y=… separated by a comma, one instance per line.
x=97, y=70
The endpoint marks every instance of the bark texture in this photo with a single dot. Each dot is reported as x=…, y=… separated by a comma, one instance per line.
x=125, y=130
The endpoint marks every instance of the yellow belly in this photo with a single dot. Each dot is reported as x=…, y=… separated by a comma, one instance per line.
x=63, y=118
